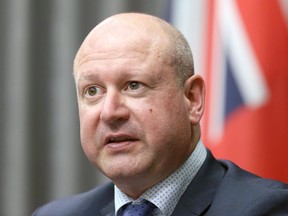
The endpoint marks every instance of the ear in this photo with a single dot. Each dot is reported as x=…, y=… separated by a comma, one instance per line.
x=195, y=96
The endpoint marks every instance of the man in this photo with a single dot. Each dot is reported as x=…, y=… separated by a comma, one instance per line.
x=140, y=105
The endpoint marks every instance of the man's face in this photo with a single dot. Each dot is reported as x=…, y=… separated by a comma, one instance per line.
x=133, y=113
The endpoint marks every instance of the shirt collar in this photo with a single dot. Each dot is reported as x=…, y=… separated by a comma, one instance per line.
x=166, y=194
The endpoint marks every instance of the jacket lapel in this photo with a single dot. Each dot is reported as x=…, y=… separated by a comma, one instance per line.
x=108, y=210
x=197, y=198
x=199, y=195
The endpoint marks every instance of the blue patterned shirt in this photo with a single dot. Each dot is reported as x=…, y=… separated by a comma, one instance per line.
x=166, y=194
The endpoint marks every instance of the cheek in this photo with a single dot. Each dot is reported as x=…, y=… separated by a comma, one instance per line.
x=168, y=118
x=85, y=124
x=88, y=124
x=88, y=118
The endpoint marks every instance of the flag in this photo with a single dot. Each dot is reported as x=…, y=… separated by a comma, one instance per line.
x=246, y=74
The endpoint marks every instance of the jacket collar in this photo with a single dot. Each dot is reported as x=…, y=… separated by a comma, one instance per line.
x=199, y=195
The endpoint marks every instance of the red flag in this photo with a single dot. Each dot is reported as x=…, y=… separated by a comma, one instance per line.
x=246, y=117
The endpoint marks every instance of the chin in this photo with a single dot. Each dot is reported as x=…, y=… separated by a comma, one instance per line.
x=122, y=173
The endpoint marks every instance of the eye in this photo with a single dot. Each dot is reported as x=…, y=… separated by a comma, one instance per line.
x=92, y=91
x=134, y=85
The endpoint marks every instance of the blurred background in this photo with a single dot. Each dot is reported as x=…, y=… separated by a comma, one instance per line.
x=240, y=47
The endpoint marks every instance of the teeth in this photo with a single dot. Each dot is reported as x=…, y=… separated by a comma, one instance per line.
x=118, y=139
x=112, y=139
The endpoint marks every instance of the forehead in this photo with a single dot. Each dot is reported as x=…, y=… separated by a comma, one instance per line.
x=112, y=61
x=111, y=66
x=115, y=50
x=119, y=42
x=126, y=31
x=115, y=56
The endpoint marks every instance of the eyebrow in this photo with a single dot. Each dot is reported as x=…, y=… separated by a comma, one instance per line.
x=87, y=77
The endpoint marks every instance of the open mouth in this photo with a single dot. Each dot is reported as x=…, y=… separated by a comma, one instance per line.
x=120, y=143
x=119, y=139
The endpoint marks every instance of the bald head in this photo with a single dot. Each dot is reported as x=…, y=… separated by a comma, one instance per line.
x=134, y=29
x=135, y=100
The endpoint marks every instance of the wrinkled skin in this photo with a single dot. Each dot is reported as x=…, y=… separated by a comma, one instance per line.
x=137, y=123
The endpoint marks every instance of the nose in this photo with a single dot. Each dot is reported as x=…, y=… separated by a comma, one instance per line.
x=114, y=108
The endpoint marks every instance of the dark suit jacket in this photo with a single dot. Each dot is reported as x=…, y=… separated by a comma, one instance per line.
x=220, y=188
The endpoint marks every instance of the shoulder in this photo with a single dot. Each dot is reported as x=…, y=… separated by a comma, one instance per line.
x=248, y=193
x=80, y=204
x=242, y=178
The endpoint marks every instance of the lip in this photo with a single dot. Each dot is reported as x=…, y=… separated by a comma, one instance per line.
x=118, y=142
